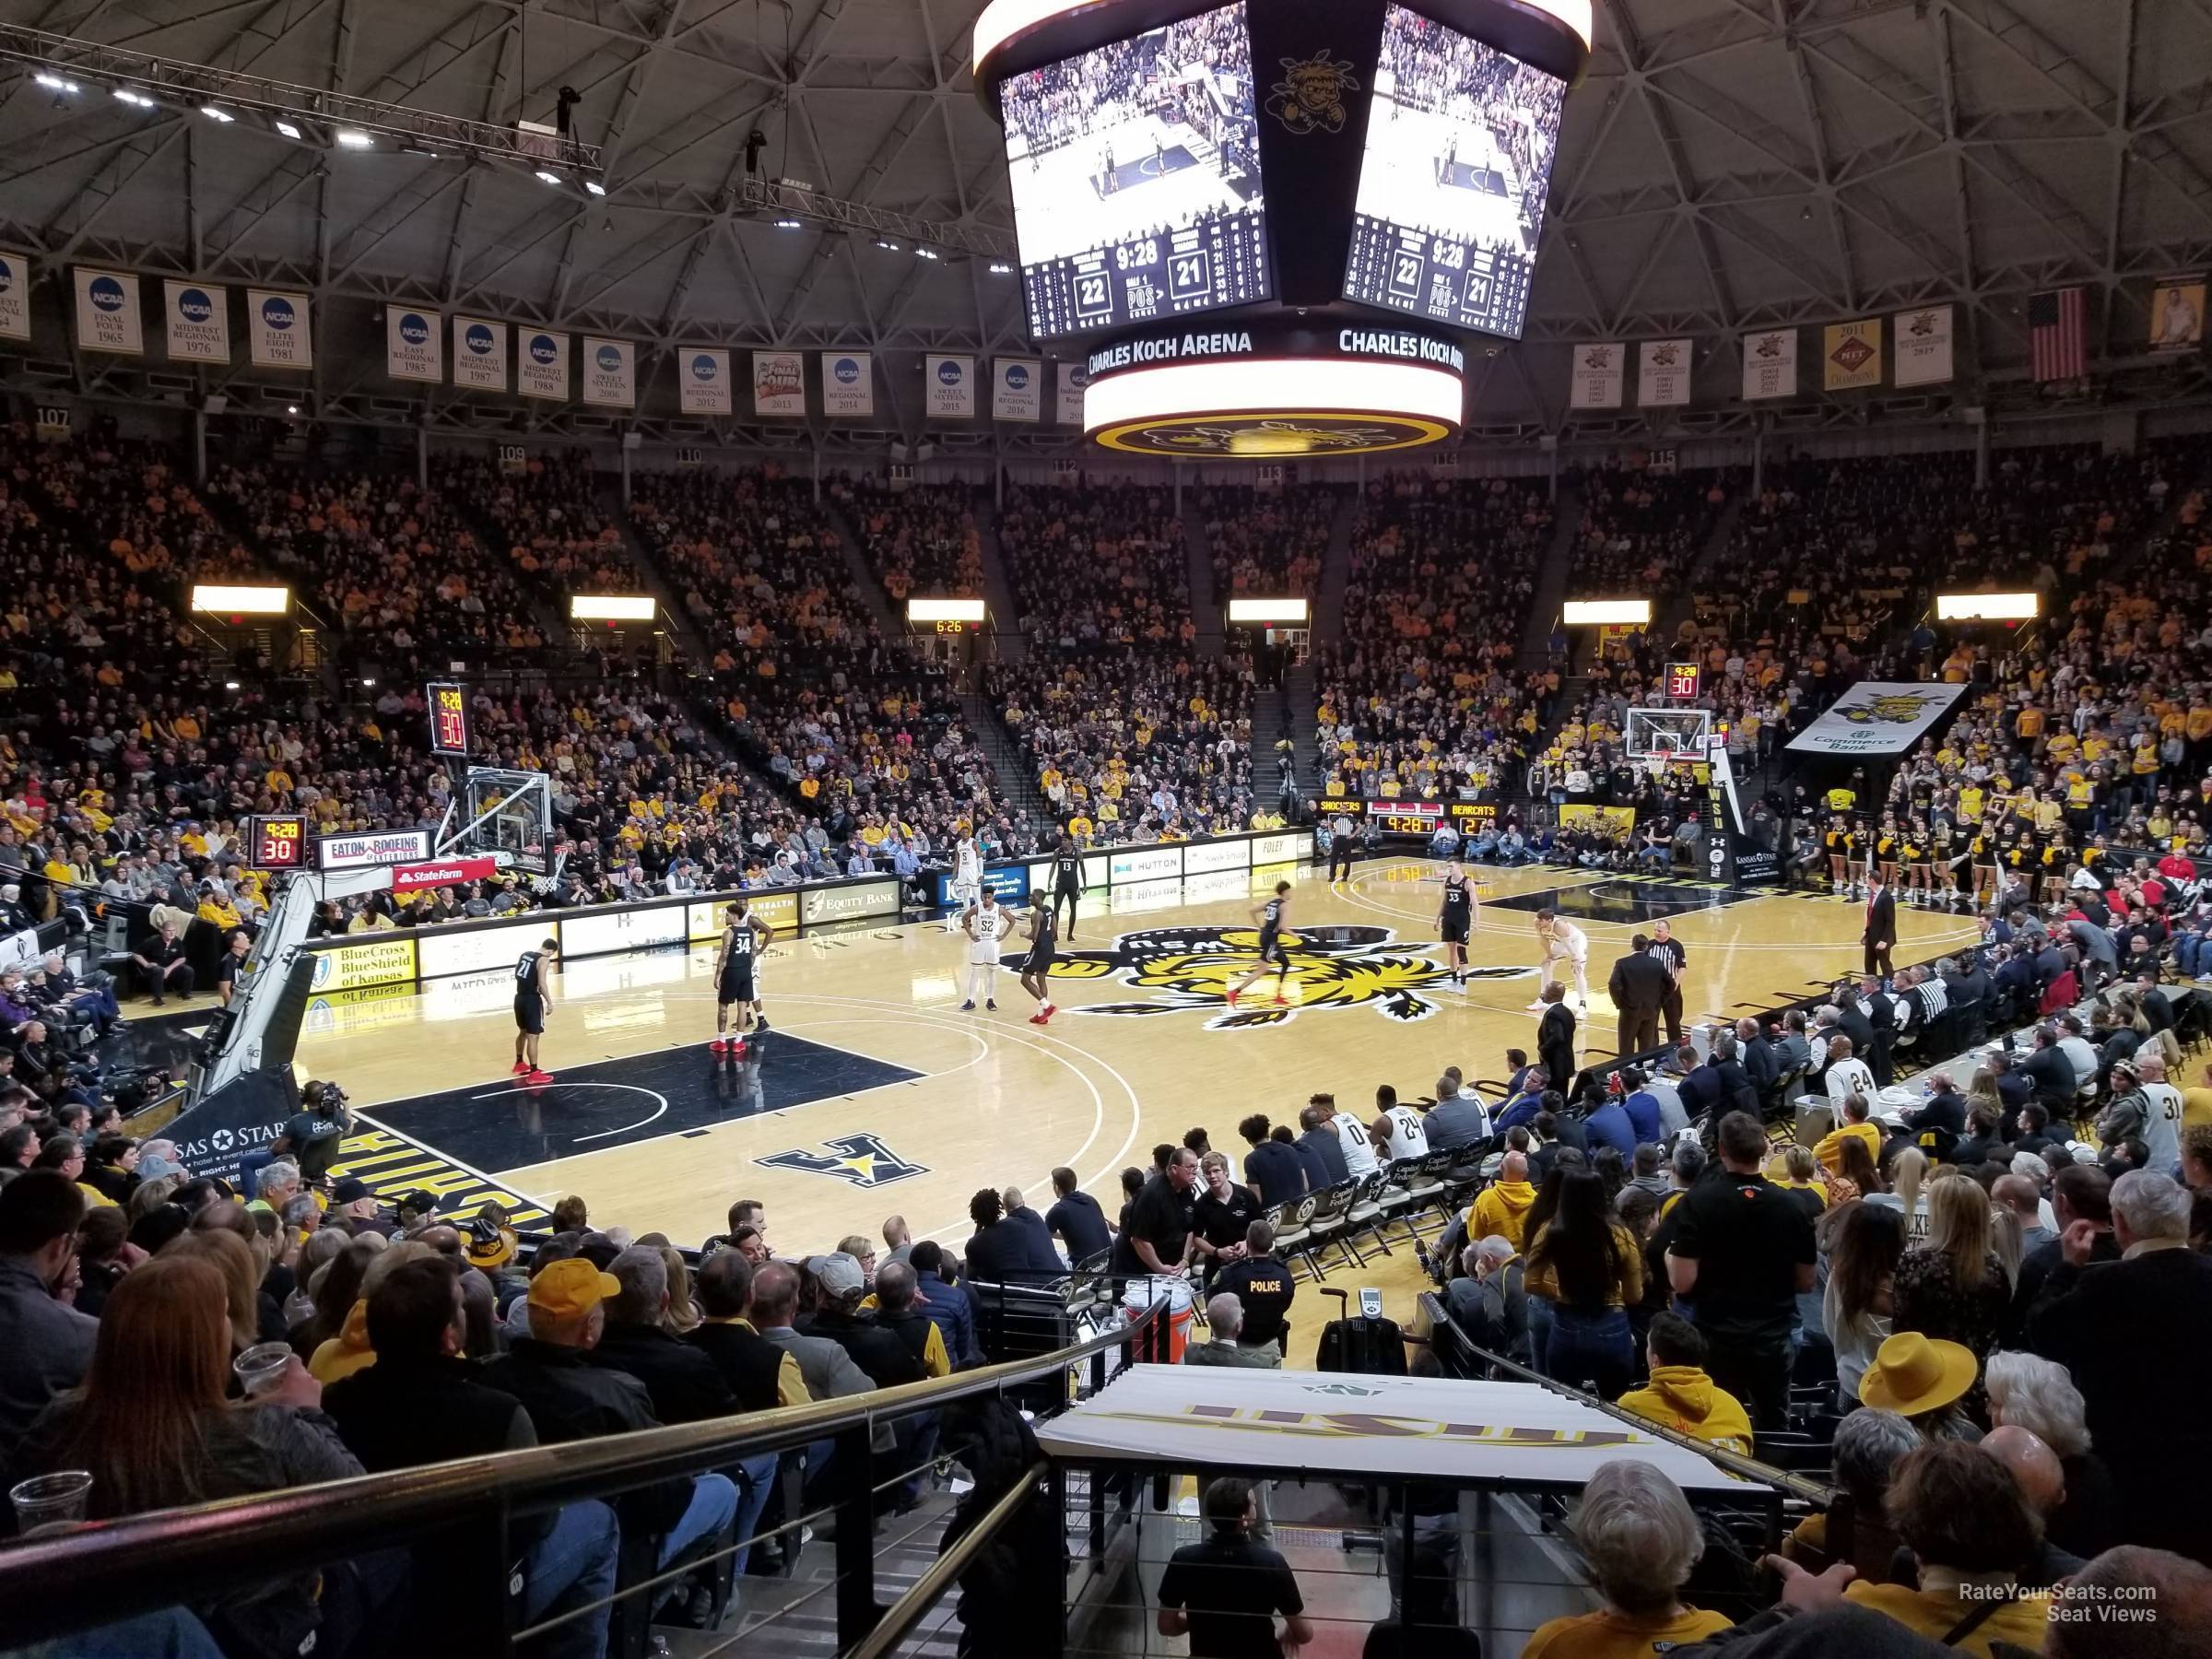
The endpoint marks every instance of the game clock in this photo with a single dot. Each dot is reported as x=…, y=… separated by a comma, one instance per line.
x=1405, y=818
x=277, y=843
x=449, y=718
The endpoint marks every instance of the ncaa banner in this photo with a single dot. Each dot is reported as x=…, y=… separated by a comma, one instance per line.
x=197, y=320
x=541, y=367
x=1923, y=346
x=411, y=346
x=848, y=385
x=15, y=295
x=1771, y=363
x=1662, y=370
x=702, y=380
x=1597, y=378
x=1878, y=717
x=610, y=373
x=480, y=354
x=948, y=387
x=1017, y=389
x=278, y=335
x=1074, y=377
x=107, y=312
x=1851, y=354
x=779, y=383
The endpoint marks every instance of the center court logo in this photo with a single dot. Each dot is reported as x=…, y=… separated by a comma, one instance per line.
x=1334, y=966
x=860, y=1160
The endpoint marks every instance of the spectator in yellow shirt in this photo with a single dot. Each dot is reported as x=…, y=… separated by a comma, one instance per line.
x=1830, y=1150
x=1641, y=1539
x=1682, y=1396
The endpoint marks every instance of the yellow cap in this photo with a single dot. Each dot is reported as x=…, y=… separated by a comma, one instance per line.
x=569, y=1287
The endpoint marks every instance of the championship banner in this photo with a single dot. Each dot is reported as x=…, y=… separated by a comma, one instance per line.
x=196, y=317
x=848, y=384
x=702, y=380
x=2177, y=314
x=1597, y=379
x=15, y=295
x=1851, y=354
x=948, y=387
x=1613, y=820
x=778, y=383
x=107, y=312
x=1923, y=346
x=1662, y=370
x=541, y=369
x=411, y=346
x=1017, y=389
x=480, y=354
x=278, y=335
x=1771, y=363
x=1878, y=717
x=1073, y=377
x=610, y=373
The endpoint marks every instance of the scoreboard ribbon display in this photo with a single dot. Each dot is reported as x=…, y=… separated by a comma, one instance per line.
x=449, y=718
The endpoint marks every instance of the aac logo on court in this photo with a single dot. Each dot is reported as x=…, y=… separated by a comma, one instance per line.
x=860, y=1160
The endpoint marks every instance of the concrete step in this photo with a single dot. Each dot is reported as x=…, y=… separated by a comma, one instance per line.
x=998, y=590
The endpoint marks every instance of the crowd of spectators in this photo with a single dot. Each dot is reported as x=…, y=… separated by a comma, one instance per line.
x=919, y=539
x=1098, y=569
x=558, y=535
x=1268, y=543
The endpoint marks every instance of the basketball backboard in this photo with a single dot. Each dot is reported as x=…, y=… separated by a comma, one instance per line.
x=1666, y=733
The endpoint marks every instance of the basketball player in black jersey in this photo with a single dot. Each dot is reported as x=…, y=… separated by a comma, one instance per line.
x=1455, y=920
x=1272, y=917
x=1067, y=881
x=1037, y=967
x=737, y=990
x=532, y=997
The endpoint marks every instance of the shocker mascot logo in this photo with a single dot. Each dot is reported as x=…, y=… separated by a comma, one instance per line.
x=1900, y=710
x=1310, y=96
x=1333, y=967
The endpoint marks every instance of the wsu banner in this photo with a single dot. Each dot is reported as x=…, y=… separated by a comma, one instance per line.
x=480, y=354
x=1073, y=377
x=1017, y=389
x=1923, y=346
x=278, y=336
x=541, y=369
x=107, y=312
x=1851, y=354
x=778, y=383
x=198, y=318
x=848, y=384
x=15, y=295
x=702, y=380
x=1771, y=363
x=610, y=373
x=1663, y=373
x=948, y=387
x=1598, y=377
x=1878, y=717
x=411, y=347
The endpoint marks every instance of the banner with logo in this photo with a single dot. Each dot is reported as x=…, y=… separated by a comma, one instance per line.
x=848, y=384
x=1597, y=379
x=1663, y=373
x=411, y=346
x=1074, y=377
x=1771, y=363
x=480, y=354
x=1923, y=346
x=107, y=312
x=702, y=380
x=278, y=335
x=1017, y=389
x=778, y=383
x=541, y=367
x=610, y=373
x=1611, y=820
x=948, y=389
x=1878, y=717
x=15, y=295
x=197, y=315
x=2177, y=314
x=1851, y=354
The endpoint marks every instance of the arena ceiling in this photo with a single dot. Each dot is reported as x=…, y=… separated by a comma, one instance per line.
x=1727, y=164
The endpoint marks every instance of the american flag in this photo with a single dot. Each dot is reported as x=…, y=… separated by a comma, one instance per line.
x=2057, y=335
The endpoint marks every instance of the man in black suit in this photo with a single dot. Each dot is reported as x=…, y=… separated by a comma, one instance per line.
x=1880, y=936
x=1876, y=1009
x=1936, y=1128
x=1555, y=1036
x=1639, y=988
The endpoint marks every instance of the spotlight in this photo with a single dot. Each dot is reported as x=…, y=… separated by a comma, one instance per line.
x=54, y=83
x=999, y=268
x=137, y=99
x=550, y=178
x=291, y=408
x=887, y=243
x=288, y=129
x=368, y=682
x=353, y=138
x=787, y=224
x=229, y=685
x=215, y=114
x=928, y=254
x=593, y=187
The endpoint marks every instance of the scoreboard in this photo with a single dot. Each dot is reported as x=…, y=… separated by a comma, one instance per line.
x=1221, y=263
x=449, y=718
x=276, y=842
x=1682, y=680
x=1442, y=278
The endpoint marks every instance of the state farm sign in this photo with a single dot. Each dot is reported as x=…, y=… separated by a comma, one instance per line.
x=442, y=872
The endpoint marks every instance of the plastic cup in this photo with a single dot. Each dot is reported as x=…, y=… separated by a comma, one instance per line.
x=51, y=1500
x=261, y=1367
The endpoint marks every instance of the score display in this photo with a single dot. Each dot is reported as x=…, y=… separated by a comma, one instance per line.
x=1460, y=142
x=1682, y=681
x=277, y=843
x=1136, y=176
x=449, y=718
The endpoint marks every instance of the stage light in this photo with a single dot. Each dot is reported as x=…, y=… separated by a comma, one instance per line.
x=926, y=254
x=353, y=138
x=886, y=242
x=549, y=178
x=137, y=99
x=1988, y=607
x=1608, y=612
x=593, y=187
x=54, y=83
x=288, y=129
x=787, y=224
x=215, y=114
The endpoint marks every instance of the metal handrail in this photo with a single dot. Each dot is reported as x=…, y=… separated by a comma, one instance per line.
x=160, y=1558
x=902, y=1615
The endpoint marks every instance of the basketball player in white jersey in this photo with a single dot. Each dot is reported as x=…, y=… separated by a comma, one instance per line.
x=967, y=879
x=1397, y=1130
x=986, y=924
x=1457, y=917
x=736, y=981
x=1564, y=942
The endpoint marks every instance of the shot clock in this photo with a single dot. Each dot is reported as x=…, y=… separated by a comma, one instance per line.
x=1682, y=681
x=449, y=719
x=277, y=843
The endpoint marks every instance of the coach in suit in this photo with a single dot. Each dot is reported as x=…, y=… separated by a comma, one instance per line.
x=1555, y=1038
x=1639, y=988
x=1880, y=936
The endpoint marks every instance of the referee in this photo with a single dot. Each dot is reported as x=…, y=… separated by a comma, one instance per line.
x=1340, y=847
x=1669, y=950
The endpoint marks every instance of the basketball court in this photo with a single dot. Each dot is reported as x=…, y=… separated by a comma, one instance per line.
x=1415, y=150
x=1153, y=172
x=872, y=1093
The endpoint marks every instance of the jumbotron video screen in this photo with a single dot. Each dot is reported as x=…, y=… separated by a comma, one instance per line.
x=1136, y=178
x=1460, y=143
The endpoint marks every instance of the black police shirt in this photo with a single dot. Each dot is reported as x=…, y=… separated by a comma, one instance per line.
x=1748, y=1238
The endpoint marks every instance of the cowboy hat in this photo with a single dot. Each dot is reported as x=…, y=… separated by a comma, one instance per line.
x=1912, y=1373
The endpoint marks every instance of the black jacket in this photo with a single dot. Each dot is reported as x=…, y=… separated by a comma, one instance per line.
x=570, y=1399
x=1555, y=1044
x=1321, y=1140
x=750, y=1365
x=1639, y=984
x=1277, y=1175
x=1006, y=1253
x=881, y=1353
x=400, y=1413
x=686, y=1386
x=1881, y=919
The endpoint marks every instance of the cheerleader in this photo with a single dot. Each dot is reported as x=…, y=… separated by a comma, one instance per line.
x=1983, y=849
x=1913, y=852
x=1838, y=841
x=1889, y=847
